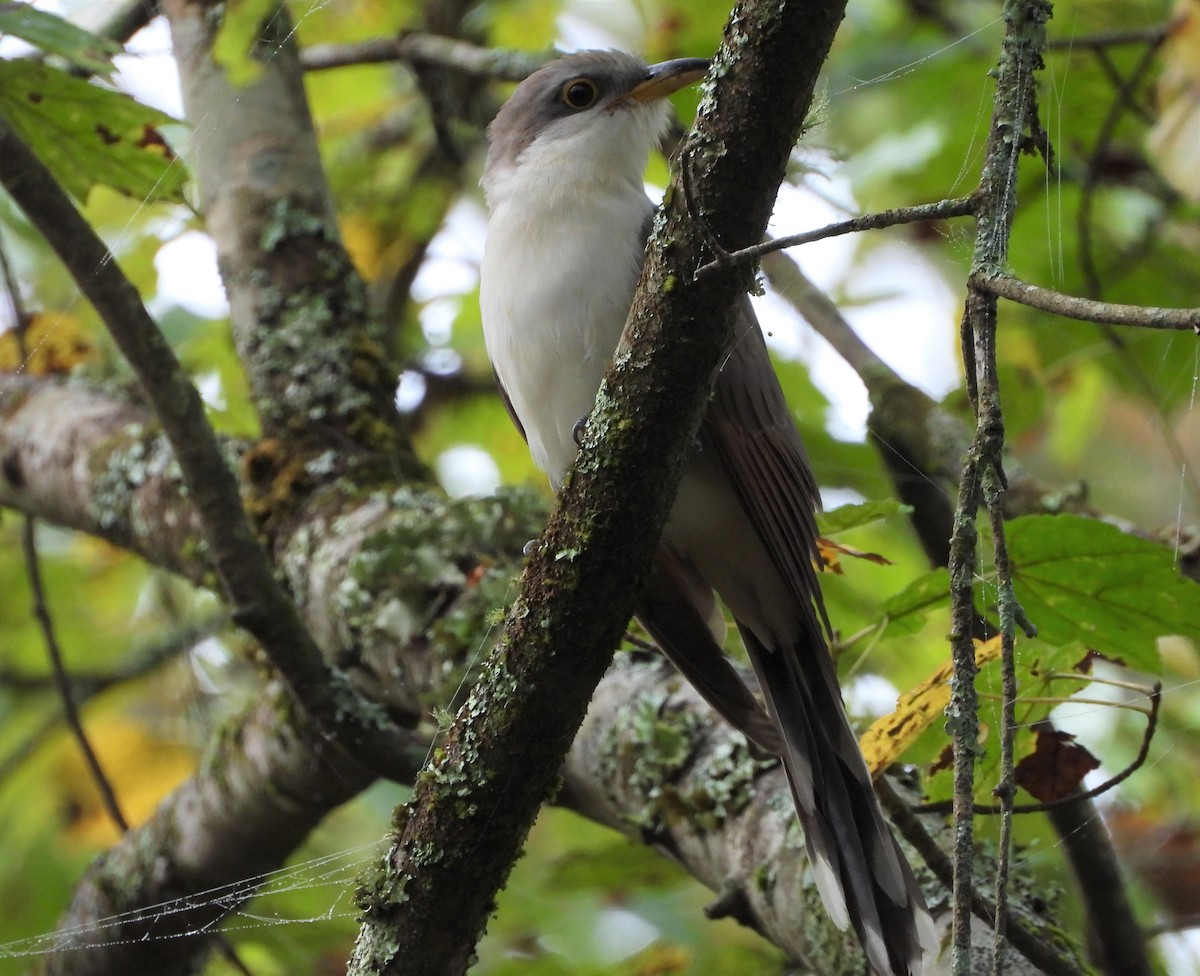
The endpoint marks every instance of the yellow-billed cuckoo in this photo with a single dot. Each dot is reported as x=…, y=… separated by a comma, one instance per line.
x=568, y=224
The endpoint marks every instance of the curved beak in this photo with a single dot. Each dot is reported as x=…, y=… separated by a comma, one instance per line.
x=667, y=77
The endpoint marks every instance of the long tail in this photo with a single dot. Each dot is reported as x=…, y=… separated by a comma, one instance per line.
x=863, y=877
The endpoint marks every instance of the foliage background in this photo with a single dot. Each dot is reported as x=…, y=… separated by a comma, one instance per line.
x=905, y=113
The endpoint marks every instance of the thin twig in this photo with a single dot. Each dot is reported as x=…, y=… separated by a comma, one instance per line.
x=941, y=210
x=426, y=49
x=62, y=680
x=258, y=600
x=1085, y=309
x=1126, y=89
x=1052, y=700
x=1014, y=113
x=1153, y=35
x=1006, y=787
x=41, y=611
x=1095, y=679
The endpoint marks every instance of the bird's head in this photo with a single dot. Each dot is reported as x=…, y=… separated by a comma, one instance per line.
x=586, y=118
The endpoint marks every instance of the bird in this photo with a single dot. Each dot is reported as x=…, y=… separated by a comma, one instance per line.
x=568, y=221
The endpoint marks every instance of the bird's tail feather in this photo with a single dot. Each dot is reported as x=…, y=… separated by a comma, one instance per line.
x=863, y=877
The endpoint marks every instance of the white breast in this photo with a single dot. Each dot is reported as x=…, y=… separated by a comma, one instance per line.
x=559, y=272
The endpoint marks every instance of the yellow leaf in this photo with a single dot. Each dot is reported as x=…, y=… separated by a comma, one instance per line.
x=887, y=738
x=364, y=245
x=141, y=768
x=830, y=561
x=55, y=342
x=662, y=960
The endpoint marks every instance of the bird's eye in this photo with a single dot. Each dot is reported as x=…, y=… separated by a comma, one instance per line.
x=578, y=94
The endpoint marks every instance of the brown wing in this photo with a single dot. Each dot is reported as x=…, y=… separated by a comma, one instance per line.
x=750, y=427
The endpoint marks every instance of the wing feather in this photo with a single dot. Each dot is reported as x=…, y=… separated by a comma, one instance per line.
x=751, y=429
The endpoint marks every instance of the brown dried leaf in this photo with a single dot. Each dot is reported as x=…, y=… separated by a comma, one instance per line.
x=1056, y=766
x=830, y=551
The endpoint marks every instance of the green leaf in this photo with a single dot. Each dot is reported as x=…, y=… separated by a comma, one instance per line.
x=906, y=611
x=54, y=35
x=1079, y=579
x=86, y=134
x=852, y=516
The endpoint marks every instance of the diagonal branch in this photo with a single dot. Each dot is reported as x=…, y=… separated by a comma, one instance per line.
x=258, y=601
x=895, y=217
x=151, y=904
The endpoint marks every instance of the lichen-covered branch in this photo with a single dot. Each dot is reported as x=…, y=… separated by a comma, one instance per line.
x=258, y=602
x=1014, y=112
x=652, y=761
x=263, y=785
x=318, y=367
x=99, y=464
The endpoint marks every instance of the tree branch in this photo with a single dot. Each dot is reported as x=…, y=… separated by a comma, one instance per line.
x=1117, y=943
x=654, y=762
x=263, y=785
x=941, y=210
x=1086, y=309
x=98, y=464
x=316, y=359
x=1014, y=112
x=259, y=603
x=415, y=49
x=62, y=679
